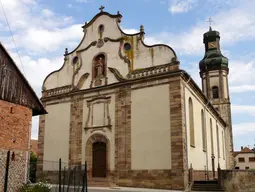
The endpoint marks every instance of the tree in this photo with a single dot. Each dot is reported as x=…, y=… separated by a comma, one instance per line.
x=33, y=157
x=33, y=162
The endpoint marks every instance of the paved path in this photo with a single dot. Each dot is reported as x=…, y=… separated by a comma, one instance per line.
x=118, y=189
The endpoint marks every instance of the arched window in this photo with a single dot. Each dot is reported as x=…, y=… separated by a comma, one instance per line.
x=215, y=92
x=191, y=124
x=218, y=141
x=211, y=130
x=203, y=130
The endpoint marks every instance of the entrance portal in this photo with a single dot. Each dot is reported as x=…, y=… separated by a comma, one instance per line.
x=99, y=160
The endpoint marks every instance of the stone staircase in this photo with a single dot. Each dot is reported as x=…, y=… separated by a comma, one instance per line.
x=100, y=182
x=206, y=186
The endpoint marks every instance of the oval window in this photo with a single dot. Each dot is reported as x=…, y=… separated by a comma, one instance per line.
x=75, y=60
x=127, y=46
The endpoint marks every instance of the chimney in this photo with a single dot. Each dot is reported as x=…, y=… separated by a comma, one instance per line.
x=241, y=148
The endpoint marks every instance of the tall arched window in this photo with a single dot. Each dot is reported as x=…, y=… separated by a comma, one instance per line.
x=215, y=92
x=211, y=130
x=218, y=141
x=191, y=124
x=203, y=130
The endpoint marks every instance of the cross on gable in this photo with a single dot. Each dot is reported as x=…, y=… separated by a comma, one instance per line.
x=101, y=8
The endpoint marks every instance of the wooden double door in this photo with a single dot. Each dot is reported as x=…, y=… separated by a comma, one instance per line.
x=99, y=159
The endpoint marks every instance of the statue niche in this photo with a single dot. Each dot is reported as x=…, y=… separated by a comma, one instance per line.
x=99, y=70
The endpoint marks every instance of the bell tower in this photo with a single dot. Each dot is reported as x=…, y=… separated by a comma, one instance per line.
x=214, y=75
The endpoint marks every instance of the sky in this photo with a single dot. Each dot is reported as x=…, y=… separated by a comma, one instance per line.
x=42, y=29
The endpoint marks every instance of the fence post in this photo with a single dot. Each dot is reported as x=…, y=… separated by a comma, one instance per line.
x=86, y=178
x=64, y=179
x=7, y=171
x=59, y=176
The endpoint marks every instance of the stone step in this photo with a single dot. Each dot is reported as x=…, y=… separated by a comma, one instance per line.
x=98, y=182
x=206, y=187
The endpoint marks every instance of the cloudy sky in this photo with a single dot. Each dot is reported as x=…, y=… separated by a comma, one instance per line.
x=42, y=29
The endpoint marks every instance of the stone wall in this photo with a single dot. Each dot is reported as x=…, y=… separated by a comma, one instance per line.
x=238, y=180
x=18, y=167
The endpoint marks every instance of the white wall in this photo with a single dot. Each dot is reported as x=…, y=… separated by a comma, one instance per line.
x=247, y=163
x=150, y=128
x=56, y=138
x=196, y=155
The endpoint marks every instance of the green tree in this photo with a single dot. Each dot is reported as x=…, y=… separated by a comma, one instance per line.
x=33, y=157
x=32, y=171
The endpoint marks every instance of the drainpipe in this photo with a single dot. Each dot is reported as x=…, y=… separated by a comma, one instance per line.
x=185, y=121
x=206, y=145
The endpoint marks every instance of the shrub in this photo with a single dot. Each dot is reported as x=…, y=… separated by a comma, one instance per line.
x=38, y=187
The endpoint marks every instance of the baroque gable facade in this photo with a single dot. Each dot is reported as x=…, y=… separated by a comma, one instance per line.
x=127, y=102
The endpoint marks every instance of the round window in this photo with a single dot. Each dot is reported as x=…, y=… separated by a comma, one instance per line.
x=75, y=60
x=127, y=46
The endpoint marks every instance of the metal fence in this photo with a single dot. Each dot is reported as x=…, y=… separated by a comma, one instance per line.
x=14, y=173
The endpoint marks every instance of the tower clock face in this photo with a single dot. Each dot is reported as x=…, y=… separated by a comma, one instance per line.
x=212, y=45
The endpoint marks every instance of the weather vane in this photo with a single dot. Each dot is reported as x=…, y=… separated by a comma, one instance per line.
x=101, y=8
x=210, y=22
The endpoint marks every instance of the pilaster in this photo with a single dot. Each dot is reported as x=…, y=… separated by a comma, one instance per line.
x=75, y=133
x=179, y=171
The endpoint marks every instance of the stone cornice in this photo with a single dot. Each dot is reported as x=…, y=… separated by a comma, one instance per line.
x=169, y=74
x=67, y=91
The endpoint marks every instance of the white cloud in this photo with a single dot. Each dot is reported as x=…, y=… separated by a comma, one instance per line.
x=27, y=14
x=235, y=24
x=245, y=109
x=37, y=69
x=43, y=40
x=242, y=88
x=35, y=127
x=244, y=129
x=47, y=13
x=180, y=6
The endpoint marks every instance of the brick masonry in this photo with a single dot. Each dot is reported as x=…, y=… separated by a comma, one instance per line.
x=15, y=125
x=75, y=133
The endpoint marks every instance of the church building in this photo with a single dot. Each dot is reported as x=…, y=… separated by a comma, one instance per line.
x=132, y=113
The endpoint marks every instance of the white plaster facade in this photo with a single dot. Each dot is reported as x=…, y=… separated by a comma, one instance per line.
x=150, y=102
x=196, y=155
x=150, y=128
x=56, y=137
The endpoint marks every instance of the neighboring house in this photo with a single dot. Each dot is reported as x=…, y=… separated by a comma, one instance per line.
x=244, y=159
x=132, y=113
x=34, y=146
x=18, y=103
